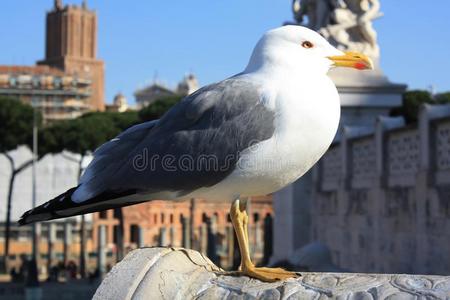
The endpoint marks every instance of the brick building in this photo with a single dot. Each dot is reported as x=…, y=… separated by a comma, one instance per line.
x=198, y=224
x=70, y=80
x=71, y=46
x=57, y=94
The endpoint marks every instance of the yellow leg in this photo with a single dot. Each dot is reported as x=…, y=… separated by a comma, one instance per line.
x=239, y=218
x=243, y=209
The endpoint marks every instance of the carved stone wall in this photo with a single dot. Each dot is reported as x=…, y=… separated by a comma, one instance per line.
x=362, y=161
x=442, y=136
x=390, y=211
x=333, y=162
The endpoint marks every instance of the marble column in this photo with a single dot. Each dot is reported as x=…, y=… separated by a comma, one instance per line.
x=162, y=236
x=203, y=238
x=67, y=241
x=51, y=238
x=141, y=238
x=101, y=253
x=172, y=232
x=186, y=232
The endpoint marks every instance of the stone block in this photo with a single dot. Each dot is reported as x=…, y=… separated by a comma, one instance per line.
x=177, y=273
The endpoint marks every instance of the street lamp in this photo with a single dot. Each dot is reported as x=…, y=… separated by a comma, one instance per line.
x=32, y=282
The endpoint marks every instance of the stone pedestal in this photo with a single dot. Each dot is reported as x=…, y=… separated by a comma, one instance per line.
x=169, y=273
x=365, y=95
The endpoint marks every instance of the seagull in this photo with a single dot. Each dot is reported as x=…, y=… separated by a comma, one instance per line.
x=251, y=134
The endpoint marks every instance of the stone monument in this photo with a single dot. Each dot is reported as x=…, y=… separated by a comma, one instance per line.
x=348, y=25
x=176, y=273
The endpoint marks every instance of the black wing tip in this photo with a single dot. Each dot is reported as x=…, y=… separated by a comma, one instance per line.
x=34, y=215
x=51, y=209
x=23, y=220
x=45, y=211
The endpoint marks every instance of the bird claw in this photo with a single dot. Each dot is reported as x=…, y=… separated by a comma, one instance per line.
x=264, y=274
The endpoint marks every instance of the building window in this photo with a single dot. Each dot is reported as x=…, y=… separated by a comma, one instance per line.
x=116, y=234
x=134, y=234
x=60, y=234
x=162, y=218
x=117, y=213
x=255, y=217
x=204, y=218
x=155, y=219
x=36, y=81
x=12, y=81
x=57, y=82
x=171, y=218
x=216, y=215
x=103, y=214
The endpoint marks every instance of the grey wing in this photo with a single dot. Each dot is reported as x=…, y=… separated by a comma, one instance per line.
x=196, y=144
x=110, y=156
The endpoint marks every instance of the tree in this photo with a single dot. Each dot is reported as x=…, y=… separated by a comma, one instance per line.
x=412, y=100
x=442, y=98
x=16, y=127
x=156, y=109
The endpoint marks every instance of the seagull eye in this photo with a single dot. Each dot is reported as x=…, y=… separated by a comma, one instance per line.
x=307, y=45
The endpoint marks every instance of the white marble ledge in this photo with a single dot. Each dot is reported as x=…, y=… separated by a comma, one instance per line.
x=176, y=273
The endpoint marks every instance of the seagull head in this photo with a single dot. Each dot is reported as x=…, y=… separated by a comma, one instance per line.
x=299, y=49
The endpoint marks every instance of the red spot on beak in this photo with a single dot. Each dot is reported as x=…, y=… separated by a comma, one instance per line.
x=360, y=66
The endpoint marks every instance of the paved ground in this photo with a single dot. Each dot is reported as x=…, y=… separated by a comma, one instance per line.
x=76, y=290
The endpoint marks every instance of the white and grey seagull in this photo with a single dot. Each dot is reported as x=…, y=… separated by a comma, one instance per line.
x=251, y=134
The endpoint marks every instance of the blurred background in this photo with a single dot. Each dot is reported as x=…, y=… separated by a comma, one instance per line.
x=74, y=74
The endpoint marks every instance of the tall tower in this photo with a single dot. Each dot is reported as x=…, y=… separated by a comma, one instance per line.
x=71, y=45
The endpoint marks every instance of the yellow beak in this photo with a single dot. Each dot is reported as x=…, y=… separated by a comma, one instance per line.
x=352, y=60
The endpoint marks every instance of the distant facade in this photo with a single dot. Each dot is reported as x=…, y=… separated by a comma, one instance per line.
x=151, y=93
x=71, y=46
x=155, y=91
x=70, y=80
x=381, y=199
x=188, y=85
x=197, y=224
x=56, y=94
x=120, y=104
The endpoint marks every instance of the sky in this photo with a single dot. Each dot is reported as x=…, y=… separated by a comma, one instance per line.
x=145, y=39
